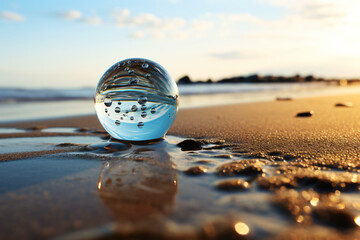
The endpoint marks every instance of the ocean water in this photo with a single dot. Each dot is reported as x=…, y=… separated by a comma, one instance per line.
x=31, y=104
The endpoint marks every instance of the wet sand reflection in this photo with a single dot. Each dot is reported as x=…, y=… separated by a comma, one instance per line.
x=141, y=185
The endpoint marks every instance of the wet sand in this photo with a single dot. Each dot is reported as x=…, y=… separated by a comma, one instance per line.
x=275, y=176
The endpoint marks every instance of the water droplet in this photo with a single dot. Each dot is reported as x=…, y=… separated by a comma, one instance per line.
x=134, y=108
x=142, y=100
x=133, y=81
x=107, y=102
x=153, y=101
x=106, y=110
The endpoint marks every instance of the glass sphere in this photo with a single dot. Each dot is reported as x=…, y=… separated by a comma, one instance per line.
x=136, y=100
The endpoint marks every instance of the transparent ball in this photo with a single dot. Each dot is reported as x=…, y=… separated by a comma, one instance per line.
x=136, y=100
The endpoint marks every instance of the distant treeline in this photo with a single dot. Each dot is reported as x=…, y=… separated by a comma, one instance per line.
x=255, y=78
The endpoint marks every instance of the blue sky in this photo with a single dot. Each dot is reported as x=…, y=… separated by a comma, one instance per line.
x=72, y=43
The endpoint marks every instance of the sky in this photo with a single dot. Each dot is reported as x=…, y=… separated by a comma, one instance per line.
x=71, y=43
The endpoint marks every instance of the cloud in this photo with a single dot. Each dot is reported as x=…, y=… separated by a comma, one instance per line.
x=233, y=55
x=201, y=24
x=11, y=16
x=71, y=15
x=123, y=18
x=159, y=28
x=75, y=15
x=321, y=10
x=316, y=9
x=137, y=35
x=92, y=20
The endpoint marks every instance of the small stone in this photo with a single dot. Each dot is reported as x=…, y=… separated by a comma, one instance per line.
x=69, y=145
x=227, y=156
x=82, y=129
x=305, y=114
x=197, y=170
x=206, y=162
x=338, y=218
x=36, y=128
x=190, y=145
x=232, y=185
x=344, y=104
x=284, y=99
x=243, y=167
x=276, y=182
x=111, y=147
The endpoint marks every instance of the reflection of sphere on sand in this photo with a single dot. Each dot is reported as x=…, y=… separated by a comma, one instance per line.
x=140, y=185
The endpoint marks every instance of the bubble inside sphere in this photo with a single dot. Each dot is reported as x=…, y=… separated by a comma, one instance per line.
x=148, y=96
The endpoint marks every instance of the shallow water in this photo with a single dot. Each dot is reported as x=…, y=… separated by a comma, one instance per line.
x=133, y=190
x=60, y=130
x=11, y=130
x=30, y=144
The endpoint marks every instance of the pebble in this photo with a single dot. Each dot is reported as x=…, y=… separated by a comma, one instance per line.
x=308, y=206
x=232, y=185
x=82, y=129
x=207, y=162
x=334, y=216
x=243, y=167
x=36, y=128
x=190, y=145
x=276, y=182
x=345, y=104
x=305, y=114
x=69, y=145
x=284, y=99
x=108, y=147
x=194, y=171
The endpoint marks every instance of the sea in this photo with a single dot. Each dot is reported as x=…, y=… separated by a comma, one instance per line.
x=21, y=104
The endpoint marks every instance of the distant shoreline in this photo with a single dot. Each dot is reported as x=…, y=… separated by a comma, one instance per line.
x=255, y=78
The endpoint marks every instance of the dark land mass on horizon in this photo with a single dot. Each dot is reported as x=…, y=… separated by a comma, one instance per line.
x=255, y=78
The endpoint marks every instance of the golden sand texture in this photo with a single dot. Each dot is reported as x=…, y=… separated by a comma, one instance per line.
x=330, y=133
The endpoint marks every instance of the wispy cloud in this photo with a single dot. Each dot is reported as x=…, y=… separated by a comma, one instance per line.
x=159, y=28
x=11, y=16
x=316, y=9
x=92, y=20
x=123, y=18
x=71, y=15
x=234, y=55
x=137, y=35
x=75, y=15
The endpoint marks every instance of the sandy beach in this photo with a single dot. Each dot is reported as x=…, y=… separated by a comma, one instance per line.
x=251, y=171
